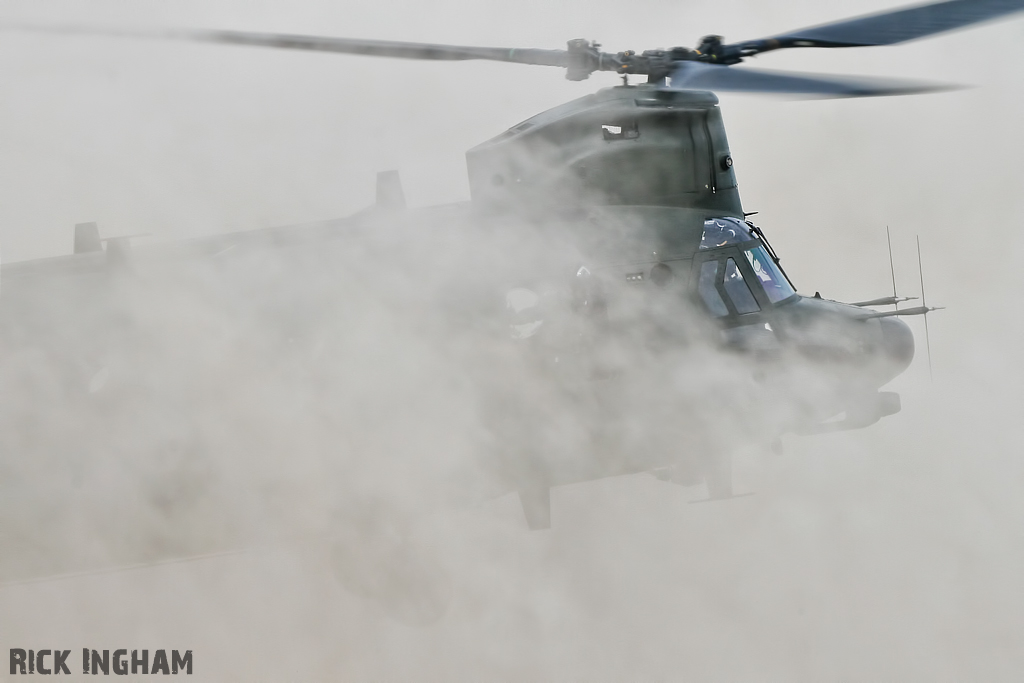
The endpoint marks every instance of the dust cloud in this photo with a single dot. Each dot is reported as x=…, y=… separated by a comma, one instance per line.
x=255, y=423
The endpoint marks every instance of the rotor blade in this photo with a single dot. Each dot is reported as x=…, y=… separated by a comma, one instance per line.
x=379, y=48
x=888, y=28
x=354, y=46
x=701, y=76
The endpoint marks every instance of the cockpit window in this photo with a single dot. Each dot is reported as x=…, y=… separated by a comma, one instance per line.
x=775, y=284
x=708, y=291
x=718, y=232
x=738, y=290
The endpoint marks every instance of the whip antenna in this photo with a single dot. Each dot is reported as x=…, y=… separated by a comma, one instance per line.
x=892, y=270
x=924, y=304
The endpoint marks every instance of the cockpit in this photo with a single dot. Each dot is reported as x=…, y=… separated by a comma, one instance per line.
x=737, y=272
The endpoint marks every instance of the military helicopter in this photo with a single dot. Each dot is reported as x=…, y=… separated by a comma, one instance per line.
x=631, y=194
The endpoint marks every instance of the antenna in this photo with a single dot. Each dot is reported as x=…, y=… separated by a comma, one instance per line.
x=892, y=270
x=924, y=304
x=894, y=300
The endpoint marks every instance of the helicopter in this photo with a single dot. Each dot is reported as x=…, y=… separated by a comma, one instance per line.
x=629, y=200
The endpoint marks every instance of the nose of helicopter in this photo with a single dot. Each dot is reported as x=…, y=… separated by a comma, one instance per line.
x=897, y=344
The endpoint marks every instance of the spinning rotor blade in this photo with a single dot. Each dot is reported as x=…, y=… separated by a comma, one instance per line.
x=378, y=48
x=352, y=46
x=701, y=76
x=694, y=69
x=888, y=28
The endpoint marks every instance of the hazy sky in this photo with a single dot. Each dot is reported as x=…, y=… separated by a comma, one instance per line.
x=891, y=553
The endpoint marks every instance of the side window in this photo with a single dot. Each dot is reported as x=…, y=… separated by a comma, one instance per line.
x=738, y=290
x=707, y=290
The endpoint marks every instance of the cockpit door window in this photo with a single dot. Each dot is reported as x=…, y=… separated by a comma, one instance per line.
x=742, y=298
x=707, y=288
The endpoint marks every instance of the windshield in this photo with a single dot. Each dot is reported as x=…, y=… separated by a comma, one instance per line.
x=768, y=273
x=718, y=232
